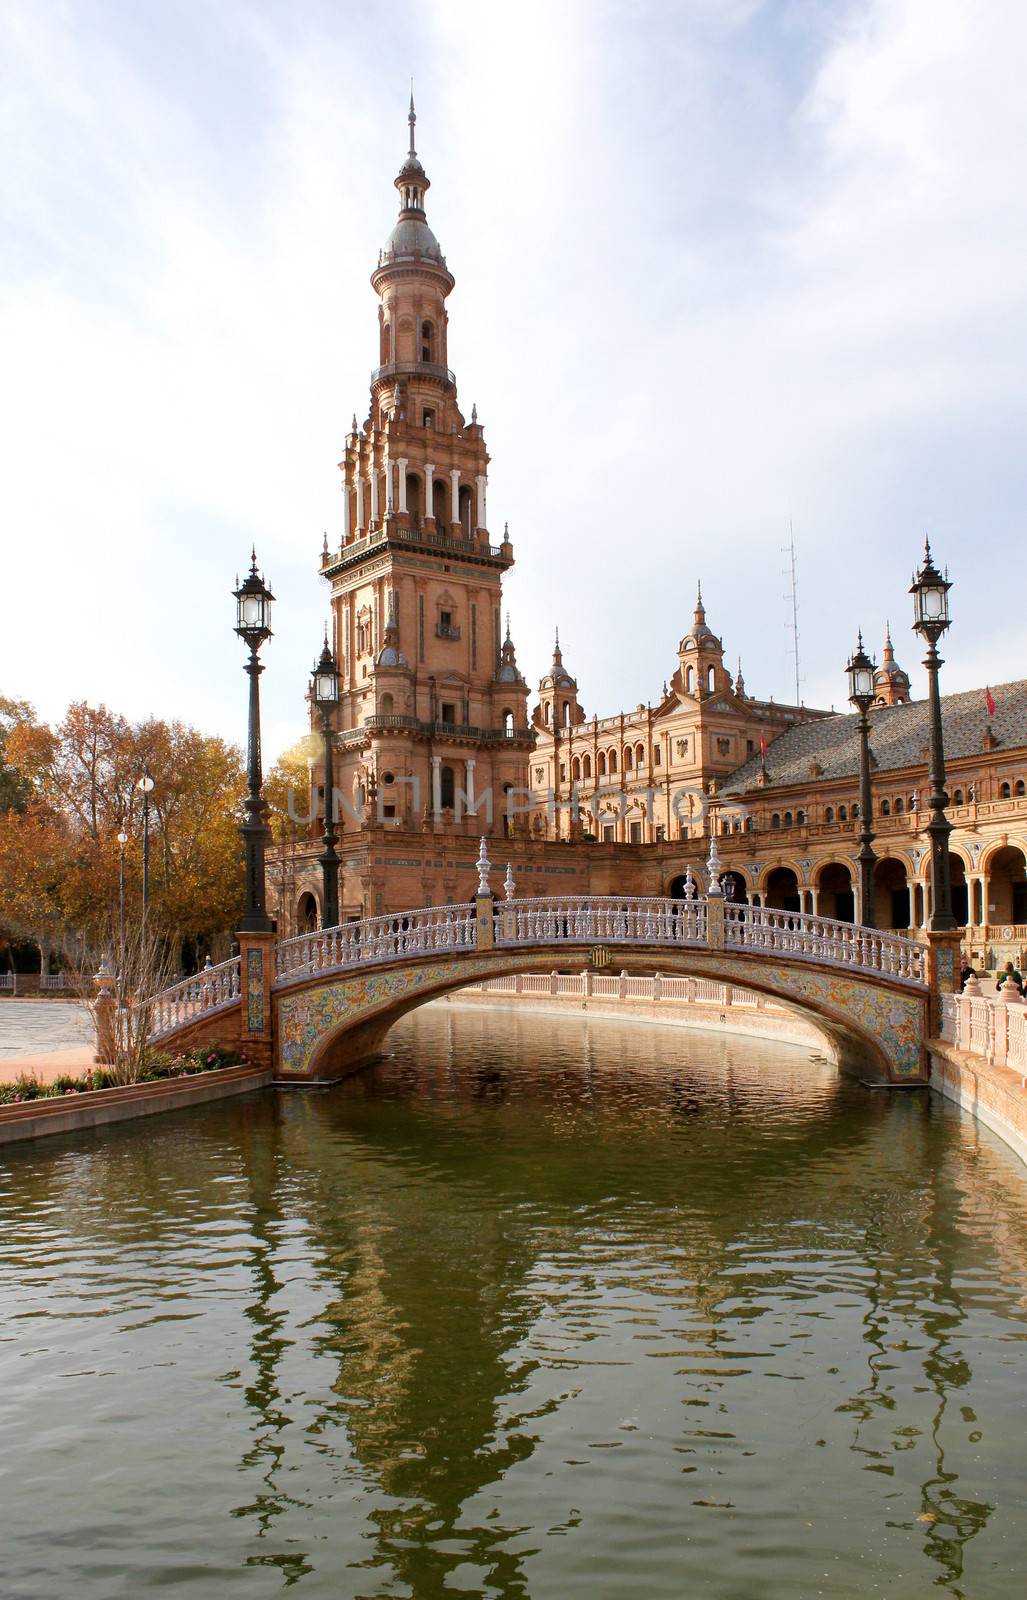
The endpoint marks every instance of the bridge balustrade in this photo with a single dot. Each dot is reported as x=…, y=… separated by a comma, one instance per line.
x=847, y=944
x=602, y=920
x=375, y=939
x=199, y=996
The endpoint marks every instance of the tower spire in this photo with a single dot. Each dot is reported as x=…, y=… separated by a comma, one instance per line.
x=412, y=120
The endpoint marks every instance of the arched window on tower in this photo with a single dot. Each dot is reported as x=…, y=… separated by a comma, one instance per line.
x=586, y=766
x=689, y=681
x=640, y=755
x=466, y=511
x=508, y=722
x=613, y=760
x=440, y=507
x=628, y=763
x=447, y=788
x=414, y=497
x=545, y=713
x=566, y=713
x=601, y=764
x=711, y=678
x=427, y=341
x=576, y=768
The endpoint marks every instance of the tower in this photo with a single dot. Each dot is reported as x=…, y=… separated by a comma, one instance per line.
x=558, y=696
x=426, y=725
x=701, y=670
x=891, y=684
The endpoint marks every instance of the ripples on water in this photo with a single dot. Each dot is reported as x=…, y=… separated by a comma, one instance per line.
x=536, y=1308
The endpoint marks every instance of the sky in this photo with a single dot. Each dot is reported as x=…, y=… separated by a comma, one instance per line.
x=725, y=268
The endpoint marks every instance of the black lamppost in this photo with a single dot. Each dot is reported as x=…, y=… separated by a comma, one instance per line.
x=325, y=690
x=860, y=672
x=253, y=625
x=122, y=842
x=930, y=591
x=145, y=787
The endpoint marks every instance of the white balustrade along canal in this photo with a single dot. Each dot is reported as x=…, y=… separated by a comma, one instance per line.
x=426, y=932
x=993, y=1027
x=840, y=944
x=199, y=996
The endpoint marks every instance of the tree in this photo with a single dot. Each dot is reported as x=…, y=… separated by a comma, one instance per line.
x=60, y=858
x=14, y=787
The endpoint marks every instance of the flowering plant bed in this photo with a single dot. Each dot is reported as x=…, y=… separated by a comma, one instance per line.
x=157, y=1066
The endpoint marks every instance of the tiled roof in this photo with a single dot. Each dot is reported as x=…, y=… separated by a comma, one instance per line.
x=898, y=737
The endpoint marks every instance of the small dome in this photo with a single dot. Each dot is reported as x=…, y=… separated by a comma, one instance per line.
x=391, y=656
x=412, y=237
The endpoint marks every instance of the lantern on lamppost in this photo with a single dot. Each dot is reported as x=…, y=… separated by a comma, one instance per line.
x=930, y=591
x=860, y=674
x=325, y=693
x=253, y=625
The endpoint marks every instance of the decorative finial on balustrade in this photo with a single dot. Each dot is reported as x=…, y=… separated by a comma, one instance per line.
x=484, y=868
x=713, y=867
x=689, y=884
x=208, y=965
x=104, y=978
x=508, y=882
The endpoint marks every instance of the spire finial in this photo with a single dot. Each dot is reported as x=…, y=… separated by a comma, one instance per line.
x=700, y=610
x=412, y=118
x=556, y=647
x=508, y=627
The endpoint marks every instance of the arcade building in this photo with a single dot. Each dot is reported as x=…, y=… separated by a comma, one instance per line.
x=433, y=743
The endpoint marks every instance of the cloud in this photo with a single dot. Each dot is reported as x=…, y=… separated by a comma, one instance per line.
x=718, y=266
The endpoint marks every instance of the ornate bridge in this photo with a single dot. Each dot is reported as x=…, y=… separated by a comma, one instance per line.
x=318, y=1006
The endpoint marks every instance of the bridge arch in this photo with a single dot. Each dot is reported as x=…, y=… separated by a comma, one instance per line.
x=332, y=1026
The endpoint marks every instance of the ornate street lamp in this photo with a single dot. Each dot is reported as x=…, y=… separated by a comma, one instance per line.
x=253, y=625
x=122, y=842
x=930, y=591
x=145, y=787
x=860, y=673
x=325, y=690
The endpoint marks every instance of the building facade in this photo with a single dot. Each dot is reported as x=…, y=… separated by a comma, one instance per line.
x=433, y=744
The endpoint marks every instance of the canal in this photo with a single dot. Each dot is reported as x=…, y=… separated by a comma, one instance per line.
x=537, y=1307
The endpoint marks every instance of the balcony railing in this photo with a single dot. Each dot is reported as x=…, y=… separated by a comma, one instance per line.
x=412, y=369
x=447, y=630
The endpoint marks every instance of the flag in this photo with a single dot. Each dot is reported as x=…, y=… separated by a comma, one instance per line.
x=989, y=701
x=763, y=747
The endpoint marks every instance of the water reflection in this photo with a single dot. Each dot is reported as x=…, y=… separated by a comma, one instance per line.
x=534, y=1308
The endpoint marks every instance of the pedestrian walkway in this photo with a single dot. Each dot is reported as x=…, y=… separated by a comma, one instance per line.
x=31, y=1030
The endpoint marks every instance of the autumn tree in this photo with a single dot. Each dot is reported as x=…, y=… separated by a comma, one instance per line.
x=60, y=857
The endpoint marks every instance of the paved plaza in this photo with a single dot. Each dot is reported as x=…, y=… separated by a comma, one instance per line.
x=35, y=1027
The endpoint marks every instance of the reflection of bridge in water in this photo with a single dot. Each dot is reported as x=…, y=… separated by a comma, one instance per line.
x=319, y=1005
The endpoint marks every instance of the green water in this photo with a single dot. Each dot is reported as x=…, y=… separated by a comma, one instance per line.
x=536, y=1308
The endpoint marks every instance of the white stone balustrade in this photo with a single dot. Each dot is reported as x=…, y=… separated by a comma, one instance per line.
x=816, y=938
x=425, y=932
x=196, y=997
x=601, y=920
x=989, y=1026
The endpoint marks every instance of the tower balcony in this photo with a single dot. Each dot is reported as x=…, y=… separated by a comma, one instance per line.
x=411, y=369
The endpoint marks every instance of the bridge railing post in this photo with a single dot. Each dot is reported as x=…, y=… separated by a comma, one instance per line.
x=256, y=977
x=941, y=971
x=484, y=922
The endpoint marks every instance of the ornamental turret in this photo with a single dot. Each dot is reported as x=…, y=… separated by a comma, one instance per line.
x=701, y=671
x=558, y=705
x=891, y=684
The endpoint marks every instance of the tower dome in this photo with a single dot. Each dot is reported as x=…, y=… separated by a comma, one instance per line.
x=411, y=239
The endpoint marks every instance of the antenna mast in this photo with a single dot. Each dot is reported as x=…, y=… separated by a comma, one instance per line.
x=793, y=599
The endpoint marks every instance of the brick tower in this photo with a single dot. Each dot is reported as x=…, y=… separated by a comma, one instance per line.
x=430, y=712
